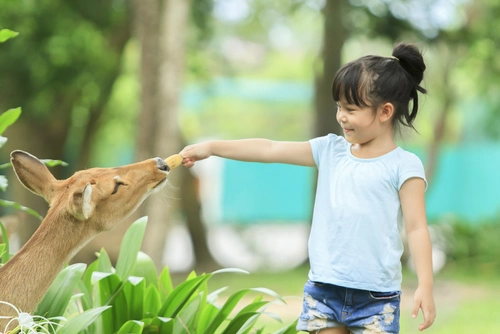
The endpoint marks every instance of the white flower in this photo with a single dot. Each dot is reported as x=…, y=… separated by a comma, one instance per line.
x=28, y=324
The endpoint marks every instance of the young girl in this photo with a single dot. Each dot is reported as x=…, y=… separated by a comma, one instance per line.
x=367, y=186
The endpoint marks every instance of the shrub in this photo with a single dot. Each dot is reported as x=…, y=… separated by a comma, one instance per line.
x=132, y=298
x=475, y=245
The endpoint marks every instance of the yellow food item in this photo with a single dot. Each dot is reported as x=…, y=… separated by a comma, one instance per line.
x=174, y=161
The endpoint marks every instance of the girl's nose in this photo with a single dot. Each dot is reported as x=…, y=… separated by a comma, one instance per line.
x=341, y=117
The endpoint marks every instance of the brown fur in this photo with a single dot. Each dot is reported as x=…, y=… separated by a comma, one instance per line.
x=76, y=215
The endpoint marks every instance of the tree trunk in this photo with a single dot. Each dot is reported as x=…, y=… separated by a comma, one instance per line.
x=334, y=36
x=147, y=18
x=174, y=24
x=191, y=207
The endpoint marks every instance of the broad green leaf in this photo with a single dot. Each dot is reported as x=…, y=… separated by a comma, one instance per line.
x=164, y=325
x=203, y=293
x=152, y=302
x=74, y=305
x=81, y=321
x=212, y=297
x=187, y=316
x=145, y=267
x=87, y=277
x=260, y=331
x=132, y=327
x=6, y=34
x=249, y=325
x=130, y=246
x=290, y=329
x=270, y=293
x=230, y=270
x=5, y=238
x=97, y=276
x=253, y=306
x=18, y=206
x=86, y=299
x=165, y=283
x=104, y=262
x=242, y=323
x=56, y=300
x=207, y=315
x=274, y=316
x=3, y=183
x=134, y=291
x=181, y=295
x=110, y=293
x=191, y=275
x=226, y=309
x=8, y=118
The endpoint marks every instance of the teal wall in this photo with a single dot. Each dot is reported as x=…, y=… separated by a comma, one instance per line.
x=466, y=185
x=254, y=192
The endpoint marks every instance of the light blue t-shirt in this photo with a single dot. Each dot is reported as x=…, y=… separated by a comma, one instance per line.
x=355, y=239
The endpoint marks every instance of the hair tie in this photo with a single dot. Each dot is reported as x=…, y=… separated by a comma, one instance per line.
x=395, y=58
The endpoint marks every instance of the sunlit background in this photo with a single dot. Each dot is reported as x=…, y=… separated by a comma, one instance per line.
x=105, y=83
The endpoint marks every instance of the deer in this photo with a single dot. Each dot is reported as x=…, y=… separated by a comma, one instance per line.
x=80, y=207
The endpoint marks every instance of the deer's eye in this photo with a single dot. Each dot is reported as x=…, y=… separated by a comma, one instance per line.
x=117, y=185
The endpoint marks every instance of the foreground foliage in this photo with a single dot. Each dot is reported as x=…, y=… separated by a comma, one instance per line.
x=132, y=298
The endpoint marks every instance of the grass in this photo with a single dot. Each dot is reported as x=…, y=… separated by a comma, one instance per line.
x=467, y=298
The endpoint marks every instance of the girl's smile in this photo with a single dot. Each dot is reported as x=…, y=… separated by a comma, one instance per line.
x=347, y=131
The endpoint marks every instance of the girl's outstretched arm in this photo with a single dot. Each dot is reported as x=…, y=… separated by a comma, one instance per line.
x=413, y=206
x=256, y=150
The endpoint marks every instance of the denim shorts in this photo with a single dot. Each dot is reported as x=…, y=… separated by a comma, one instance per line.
x=361, y=311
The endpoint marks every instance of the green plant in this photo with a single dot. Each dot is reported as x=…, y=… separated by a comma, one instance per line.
x=476, y=245
x=132, y=298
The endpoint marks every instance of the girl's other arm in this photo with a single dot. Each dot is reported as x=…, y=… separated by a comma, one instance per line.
x=413, y=206
x=256, y=150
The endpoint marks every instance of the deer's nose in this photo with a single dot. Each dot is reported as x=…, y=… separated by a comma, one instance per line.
x=162, y=165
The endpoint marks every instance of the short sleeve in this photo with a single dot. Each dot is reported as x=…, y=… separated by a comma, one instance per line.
x=411, y=166
x=320, y=145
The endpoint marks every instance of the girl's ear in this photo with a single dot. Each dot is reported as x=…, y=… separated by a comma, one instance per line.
x=386, y=112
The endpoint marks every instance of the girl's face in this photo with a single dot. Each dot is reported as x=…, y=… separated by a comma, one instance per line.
x=359, y=123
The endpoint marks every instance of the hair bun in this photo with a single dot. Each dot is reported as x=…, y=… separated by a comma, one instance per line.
x=412, y=61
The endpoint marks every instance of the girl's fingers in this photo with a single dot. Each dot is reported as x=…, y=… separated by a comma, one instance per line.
x=414, y=312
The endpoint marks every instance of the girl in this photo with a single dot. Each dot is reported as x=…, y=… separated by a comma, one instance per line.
x=367, y=186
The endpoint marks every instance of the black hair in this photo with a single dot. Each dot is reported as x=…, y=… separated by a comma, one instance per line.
x=374, y=80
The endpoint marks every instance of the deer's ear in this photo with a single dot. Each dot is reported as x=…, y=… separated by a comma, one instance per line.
x=82, y=206
x=33, y=174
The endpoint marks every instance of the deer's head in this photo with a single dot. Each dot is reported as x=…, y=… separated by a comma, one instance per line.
x=98, y=197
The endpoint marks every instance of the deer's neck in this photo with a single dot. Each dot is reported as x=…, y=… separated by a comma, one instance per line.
x=25, y=279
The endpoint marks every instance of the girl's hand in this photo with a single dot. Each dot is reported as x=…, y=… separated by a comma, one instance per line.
x=424, y=300
x=192, y=153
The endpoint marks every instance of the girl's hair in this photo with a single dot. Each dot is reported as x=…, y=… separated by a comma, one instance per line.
x=374, y=80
